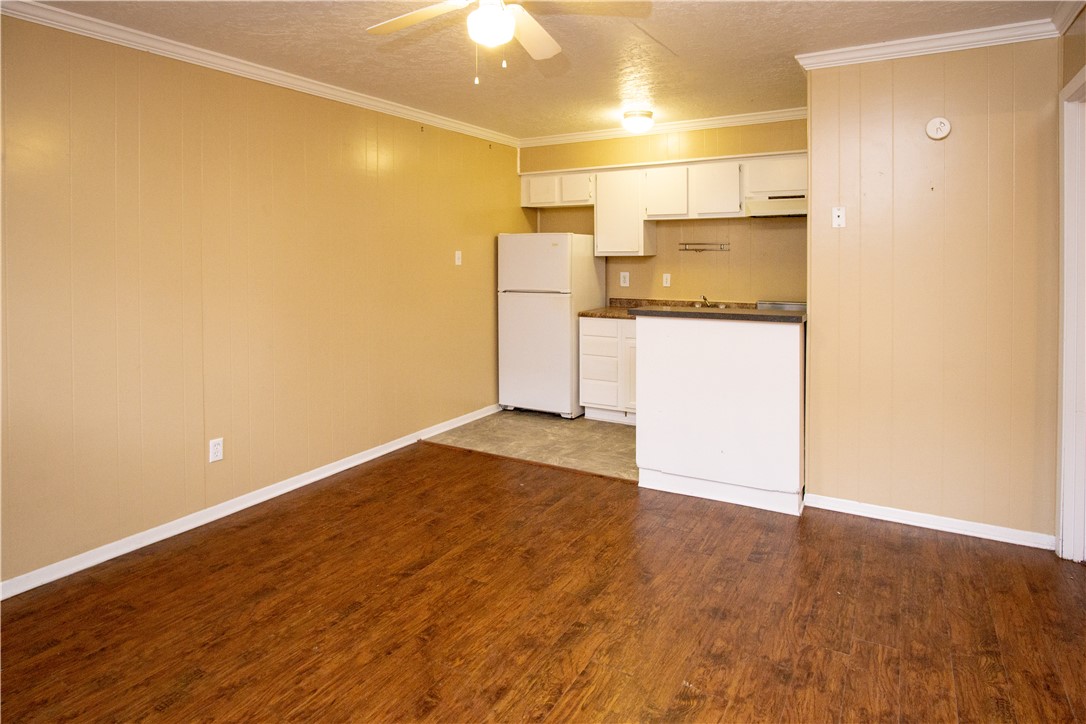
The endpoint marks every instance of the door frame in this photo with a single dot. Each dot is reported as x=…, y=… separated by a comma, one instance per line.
x=1071, y=464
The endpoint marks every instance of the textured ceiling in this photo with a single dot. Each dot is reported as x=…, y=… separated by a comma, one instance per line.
x=689, y=60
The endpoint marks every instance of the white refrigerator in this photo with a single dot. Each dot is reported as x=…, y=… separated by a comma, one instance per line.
x=544, y=281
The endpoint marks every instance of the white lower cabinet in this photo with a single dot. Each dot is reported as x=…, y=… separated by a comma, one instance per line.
x=608, y=364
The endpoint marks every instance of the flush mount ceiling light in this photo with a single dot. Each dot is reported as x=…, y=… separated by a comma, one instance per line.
x=637, y=121
x=491, y=24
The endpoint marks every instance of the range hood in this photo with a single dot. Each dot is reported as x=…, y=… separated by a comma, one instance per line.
x=791, y=205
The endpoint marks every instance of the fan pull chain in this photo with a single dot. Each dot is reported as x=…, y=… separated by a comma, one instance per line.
x=476, y=65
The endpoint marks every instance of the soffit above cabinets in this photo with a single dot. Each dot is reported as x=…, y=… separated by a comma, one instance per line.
x=692, y=60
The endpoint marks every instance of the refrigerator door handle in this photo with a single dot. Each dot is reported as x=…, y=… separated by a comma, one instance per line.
x=531, y=291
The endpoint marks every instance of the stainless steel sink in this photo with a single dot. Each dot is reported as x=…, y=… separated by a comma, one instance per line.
x=783, y=306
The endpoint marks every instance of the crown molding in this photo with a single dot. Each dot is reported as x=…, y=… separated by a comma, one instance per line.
x=1065, y=14
x=80, y=24
x=945, y=42
x=746, y=119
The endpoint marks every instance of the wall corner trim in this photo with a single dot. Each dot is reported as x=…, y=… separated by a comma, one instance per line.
x=934, y=522
x=1065, y=14
x=36, y=12
x=68, y=566
x=942, y=43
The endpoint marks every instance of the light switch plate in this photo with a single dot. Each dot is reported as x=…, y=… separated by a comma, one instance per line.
x=459, y=258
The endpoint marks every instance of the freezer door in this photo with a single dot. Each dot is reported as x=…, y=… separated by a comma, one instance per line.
x=534, y=263
x=537, y=353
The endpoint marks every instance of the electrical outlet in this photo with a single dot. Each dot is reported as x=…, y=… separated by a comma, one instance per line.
x=624, y=279
x=215, y=450
x=667, y=280
x=459, y=258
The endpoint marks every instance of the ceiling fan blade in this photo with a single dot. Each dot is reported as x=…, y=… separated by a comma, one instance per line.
x=537, y=41
x=417, y=16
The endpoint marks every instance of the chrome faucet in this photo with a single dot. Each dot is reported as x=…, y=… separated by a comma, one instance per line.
x=707, y=302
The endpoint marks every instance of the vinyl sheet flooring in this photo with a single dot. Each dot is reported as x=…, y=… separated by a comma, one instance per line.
x=604, y=448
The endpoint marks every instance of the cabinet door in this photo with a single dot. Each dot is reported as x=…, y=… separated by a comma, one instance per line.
x=665, y=191
x=575, y=188
x=540, y=191
x=776, y=174
x=619, y=225
x=714, y=189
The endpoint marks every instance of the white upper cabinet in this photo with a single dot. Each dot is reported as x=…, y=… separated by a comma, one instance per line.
x=576, y=189
x=621, y=229
x=776, y=175
x=697, y=191
x=665, y=191
x=567, y=189
x=715, y=190
x=538, y=190
x=754, y=186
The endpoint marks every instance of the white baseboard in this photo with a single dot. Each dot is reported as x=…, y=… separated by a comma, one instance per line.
x=934, y=522
x=68, y=566
x=778, y=502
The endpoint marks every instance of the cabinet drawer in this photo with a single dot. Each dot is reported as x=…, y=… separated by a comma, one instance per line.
x=596, y=393
x=599, y=368
x=599, y=346
x=599, y=327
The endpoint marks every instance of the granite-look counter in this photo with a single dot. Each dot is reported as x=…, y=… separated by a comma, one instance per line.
x=621, y=307
x=606, y=313
x=739, y=315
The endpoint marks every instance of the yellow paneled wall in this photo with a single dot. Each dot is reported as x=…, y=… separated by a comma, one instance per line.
x=933, y=314
x=1073, y=49
x=707, y=143
x=573, y=219
x=189, y=254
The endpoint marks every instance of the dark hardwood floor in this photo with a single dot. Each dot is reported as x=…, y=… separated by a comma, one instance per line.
x=450, y=585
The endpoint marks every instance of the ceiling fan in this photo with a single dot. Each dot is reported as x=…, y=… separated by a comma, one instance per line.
x=493, y=23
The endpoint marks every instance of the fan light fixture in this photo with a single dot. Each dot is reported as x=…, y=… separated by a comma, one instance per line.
x=637, y=121
x=491, y=24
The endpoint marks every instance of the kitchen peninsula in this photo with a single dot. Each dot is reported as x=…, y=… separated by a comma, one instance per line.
x=720, y=404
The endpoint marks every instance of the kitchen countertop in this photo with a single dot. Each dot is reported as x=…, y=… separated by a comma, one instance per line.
x=607, y=313
x=619, y=308
x=741, y=315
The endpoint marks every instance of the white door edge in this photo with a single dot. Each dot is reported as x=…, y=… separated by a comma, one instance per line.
x=1071, y=464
